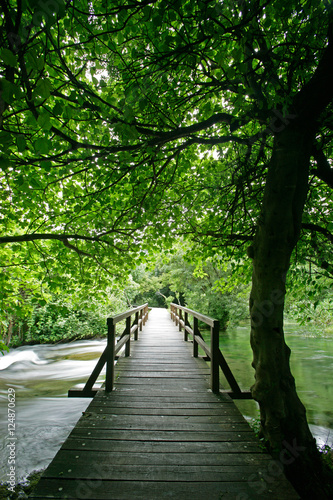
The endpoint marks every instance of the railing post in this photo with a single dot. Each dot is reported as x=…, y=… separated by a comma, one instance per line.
x=185, y=325
x=109, y=377
x=176, y=315
x=145, y=316
x=195, y=332
x=128, y=332
x=214, y=362
x=141, y=322
x=180, y=319
x=136, y=322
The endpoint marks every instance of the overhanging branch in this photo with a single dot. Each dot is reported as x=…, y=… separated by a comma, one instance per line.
x=324, y=171
x=318, y=229
x=23, y=238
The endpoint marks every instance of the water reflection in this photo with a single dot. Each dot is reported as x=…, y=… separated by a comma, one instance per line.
x=311, y=365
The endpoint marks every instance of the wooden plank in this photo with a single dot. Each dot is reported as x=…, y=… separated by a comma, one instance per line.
x=133, y=472
x=252, y=455
x=198, y=382
x=161, y=425
x=162, y=398
x=101, y=489
x=133, y=402
x=158, y=419
x=182, y=412
x=123, y=367
x=146, y=435
x=152, y=371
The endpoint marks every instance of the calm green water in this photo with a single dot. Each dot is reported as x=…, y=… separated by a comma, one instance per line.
x=312, y=367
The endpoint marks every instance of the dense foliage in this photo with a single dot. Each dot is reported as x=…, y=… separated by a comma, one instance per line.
x=214, y=287
x=128, y=123
x=124, y=125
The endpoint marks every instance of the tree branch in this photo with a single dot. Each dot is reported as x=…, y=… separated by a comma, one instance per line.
x=75, y=248
x=20, y=238
x=318, y=229
x=324, y=170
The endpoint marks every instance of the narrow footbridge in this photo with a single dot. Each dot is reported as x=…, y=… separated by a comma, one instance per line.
x=162, y=427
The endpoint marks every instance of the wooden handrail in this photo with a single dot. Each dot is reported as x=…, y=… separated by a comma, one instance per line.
x=112, y=349
x=213, y=351
x=201, y=317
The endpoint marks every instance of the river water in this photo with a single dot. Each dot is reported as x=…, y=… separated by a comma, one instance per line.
x=311, y=364
x=41, y=376
x=44, y=415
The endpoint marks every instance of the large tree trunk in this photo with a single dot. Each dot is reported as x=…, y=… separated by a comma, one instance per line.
x=277, y=233
x=283, y=417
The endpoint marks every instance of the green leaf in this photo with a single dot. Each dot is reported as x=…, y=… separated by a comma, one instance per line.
x=47, y=166
x=44, y=121
x=35, y=182
x=58, y=109
x=34, y=61
x=21, y=143
x=9, y=91
x=42, y=146
x=8, y=57
x=44, y=88
x=128, y=113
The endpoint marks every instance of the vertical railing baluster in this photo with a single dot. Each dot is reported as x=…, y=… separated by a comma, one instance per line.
x=128, y=332
x=180, y=320
x=145, y=315
x=195, y=332
x=214, y=361
x=109, y=377
x=141, y=320
x=185, y=325
x=136, y=322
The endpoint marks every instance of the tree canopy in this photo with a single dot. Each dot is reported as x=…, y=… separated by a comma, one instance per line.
x=127, y=124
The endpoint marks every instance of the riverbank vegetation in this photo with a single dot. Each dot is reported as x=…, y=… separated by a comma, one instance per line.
x=214, y=286
x=23, y=488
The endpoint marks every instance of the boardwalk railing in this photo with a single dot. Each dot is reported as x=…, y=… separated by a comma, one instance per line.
x=180, y=315
x=109, y=354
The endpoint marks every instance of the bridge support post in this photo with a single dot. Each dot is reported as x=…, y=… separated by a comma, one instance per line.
x=145, y=314
x=195, y=332
x=136, y=322
x=109, y=376
x=128, y=332
x=141, y=320
x=185, y=325
x=214, y=362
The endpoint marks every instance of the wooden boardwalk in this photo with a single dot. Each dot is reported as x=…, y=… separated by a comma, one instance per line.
x=162, y=434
